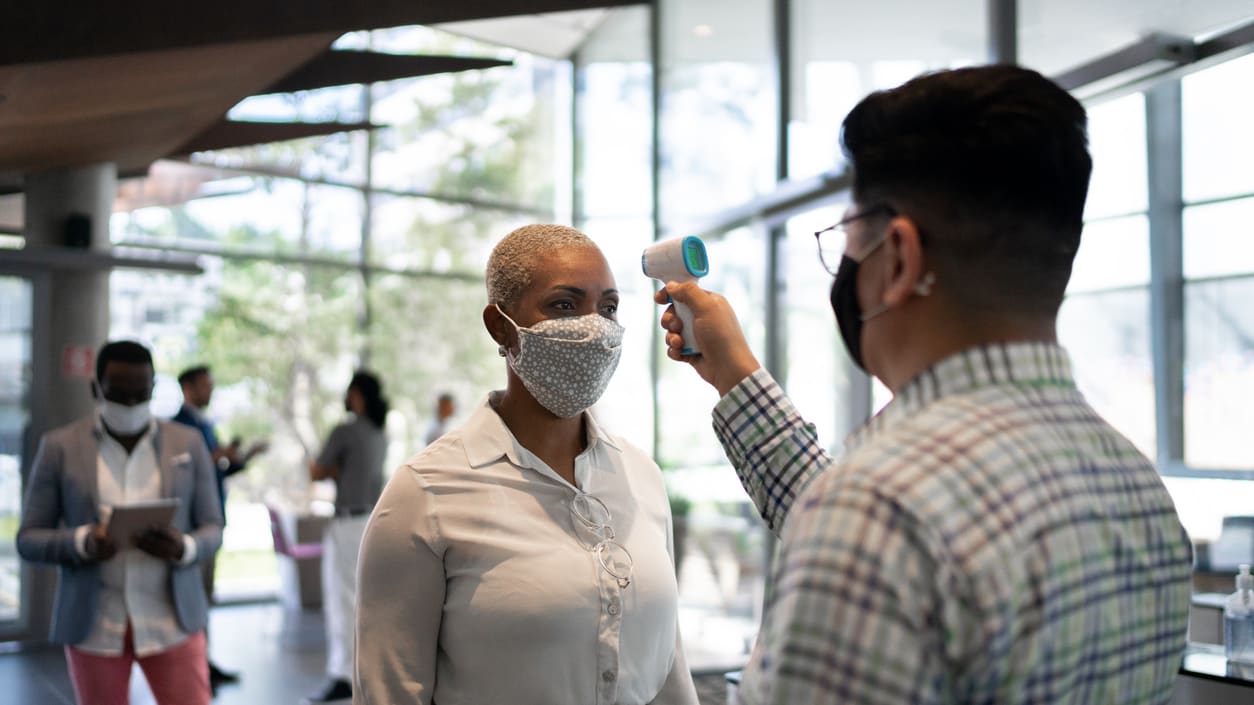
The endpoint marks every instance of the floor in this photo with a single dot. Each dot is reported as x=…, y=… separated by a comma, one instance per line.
x=278, y=653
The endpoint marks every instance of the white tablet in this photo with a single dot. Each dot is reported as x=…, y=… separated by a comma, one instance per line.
x=127, y=520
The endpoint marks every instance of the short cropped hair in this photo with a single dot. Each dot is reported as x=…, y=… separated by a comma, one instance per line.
x=127, y=351
x=513, y=260
x=191, y=374
x=992, y=164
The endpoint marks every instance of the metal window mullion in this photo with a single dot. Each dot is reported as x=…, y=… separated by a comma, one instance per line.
x=1003, y=31
x=776, y=295
x=655, y=216
x=577, y=80
x=1164, y=158
x=365, y=312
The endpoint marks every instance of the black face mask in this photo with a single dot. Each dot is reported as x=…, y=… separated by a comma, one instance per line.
x=845, y=305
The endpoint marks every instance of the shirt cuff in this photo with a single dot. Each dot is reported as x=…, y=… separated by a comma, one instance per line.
x=80, y=540
x=189, y=550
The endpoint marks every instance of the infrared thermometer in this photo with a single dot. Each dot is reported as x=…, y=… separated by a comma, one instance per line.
x=679, y=260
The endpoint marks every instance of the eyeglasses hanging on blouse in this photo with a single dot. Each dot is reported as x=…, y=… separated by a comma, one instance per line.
x=592, y=524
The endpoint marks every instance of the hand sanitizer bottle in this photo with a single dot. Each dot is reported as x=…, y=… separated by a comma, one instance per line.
x=1239, y=620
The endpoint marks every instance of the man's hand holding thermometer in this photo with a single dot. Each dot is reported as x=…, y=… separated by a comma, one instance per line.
x=702, y=329
x=678, y=260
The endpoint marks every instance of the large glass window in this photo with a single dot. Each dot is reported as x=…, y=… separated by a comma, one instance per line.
x=1104, y=322
x=1218, y=264
x=15, y=378
x=1219, y=329
x=259, y=215
x=840, y=54
x=1054, y=36
x=1217, y=115
x=817, y=369
x=291, y=301
x=614, y=200
x=718, y=105
x=736, y=272
x=499, y=135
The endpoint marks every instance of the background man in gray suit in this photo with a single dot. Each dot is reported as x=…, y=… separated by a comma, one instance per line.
x=137, y=600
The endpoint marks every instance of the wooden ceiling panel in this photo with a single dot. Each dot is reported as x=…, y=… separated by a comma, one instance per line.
x=339, y=67
x=239, y=133
x=133, y=108
x=42, y=30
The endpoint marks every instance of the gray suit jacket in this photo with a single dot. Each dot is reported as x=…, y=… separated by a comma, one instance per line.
x=63, y=494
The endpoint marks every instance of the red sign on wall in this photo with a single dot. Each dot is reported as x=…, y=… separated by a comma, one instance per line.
x=78, y=361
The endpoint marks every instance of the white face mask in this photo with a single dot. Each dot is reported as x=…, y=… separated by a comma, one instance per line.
x=566, y=363
x=126, y=420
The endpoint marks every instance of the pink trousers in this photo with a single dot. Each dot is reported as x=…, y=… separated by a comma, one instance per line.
x=177, y=676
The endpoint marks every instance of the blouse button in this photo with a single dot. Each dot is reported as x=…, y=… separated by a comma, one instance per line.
x=607, y=676
x=613, y=608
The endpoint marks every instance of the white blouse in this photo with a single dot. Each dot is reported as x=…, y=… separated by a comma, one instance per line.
x=474, y=587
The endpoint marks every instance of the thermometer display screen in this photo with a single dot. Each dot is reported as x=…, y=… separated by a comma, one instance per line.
x=694, y=256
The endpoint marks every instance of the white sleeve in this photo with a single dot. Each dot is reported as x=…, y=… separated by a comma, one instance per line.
x=80, y=540
x=398, y=630
x=189, y=550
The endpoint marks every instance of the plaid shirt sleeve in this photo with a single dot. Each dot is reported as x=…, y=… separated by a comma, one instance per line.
x=775, y=452
x=853, y=613
x=852, y=605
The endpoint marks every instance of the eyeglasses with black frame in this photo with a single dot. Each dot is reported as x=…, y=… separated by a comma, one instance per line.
x=593, y=517
x=832, y=239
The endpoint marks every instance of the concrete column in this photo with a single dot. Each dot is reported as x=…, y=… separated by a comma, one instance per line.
x=79, y=198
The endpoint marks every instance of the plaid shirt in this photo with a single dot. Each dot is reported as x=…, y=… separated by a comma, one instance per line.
x=987, y=538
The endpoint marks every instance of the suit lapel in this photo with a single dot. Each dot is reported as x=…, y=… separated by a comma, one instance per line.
x=88, y=463
x=165, y=464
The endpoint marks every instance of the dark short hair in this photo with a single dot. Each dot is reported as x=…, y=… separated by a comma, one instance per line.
x=127, y=351
x=372, y=391
x=444, y=396
x=192, y=374
x=992, y=164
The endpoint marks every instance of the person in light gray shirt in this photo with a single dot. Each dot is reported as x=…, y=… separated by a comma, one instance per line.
x=352, y=457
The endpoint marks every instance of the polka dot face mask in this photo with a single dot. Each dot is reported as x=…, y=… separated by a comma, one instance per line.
x=566, y=363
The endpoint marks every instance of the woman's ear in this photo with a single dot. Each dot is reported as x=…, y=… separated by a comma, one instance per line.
x=499, y=327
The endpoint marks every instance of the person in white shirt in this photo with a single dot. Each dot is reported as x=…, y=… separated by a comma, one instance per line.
x=444, y=410
x=141, y=600
x=526, y=557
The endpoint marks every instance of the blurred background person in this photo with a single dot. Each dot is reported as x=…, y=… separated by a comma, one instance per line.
x=526, y=556
x=444, y=410
x=353, y=458
x=119, y=604
x=197, y=385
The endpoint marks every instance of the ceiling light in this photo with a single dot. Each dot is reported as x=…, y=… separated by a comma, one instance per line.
x=703, y=30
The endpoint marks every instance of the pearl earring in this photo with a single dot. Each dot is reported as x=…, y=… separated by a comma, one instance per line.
x=500, y=350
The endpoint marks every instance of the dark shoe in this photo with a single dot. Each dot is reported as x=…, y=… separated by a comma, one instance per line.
x=217, y=676
x=335, y=691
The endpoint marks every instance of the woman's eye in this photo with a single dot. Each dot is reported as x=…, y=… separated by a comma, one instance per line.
x=609, y=309
x=564, y=305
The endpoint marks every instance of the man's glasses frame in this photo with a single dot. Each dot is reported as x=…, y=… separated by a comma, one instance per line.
x=830, y=255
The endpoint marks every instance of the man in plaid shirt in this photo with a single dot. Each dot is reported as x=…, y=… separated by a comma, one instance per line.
x=987, y=537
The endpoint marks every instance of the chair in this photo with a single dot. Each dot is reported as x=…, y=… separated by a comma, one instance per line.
x=298, y=551
x=300, y=567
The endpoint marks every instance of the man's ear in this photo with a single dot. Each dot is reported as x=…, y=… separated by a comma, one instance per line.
x=905, y=248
